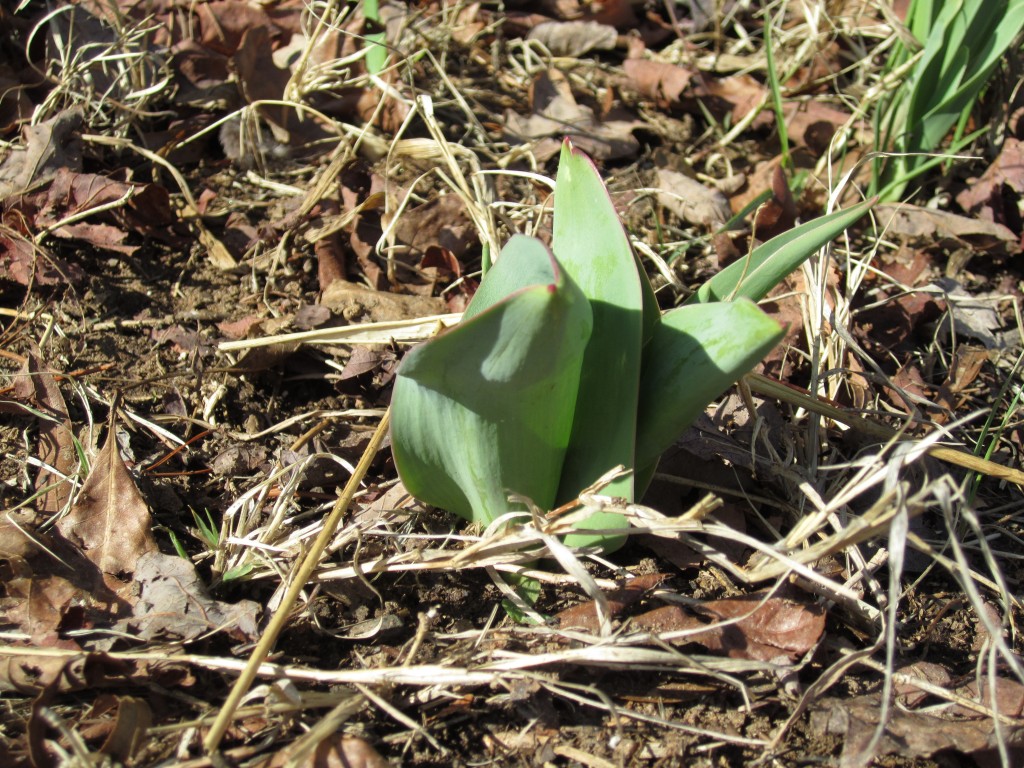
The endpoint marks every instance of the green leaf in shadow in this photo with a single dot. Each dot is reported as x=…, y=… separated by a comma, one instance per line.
x=697, y=353
x=486, y=409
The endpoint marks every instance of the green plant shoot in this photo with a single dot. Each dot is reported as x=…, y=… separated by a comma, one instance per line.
x=961, y=44
x=563, y=367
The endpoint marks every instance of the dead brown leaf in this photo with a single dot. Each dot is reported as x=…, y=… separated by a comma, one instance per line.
x=241, y=328
x=574, y=38
x=26, y=263
x=224, y=23
x=36, y=604
x=736, y=95
x=942, y=227
x=658, y=80
x=119, y=723
x=173, y=603
x=761, y=630
x=330, y=259
x=146, y=209
x=442, y=222
x=262, y=80
x=985, y=196
x=692, y=201
x=913, y=735
x=336, y=751
x=29, y=673
x=584, y=616
x=37, y=386
x=46, y=148
x=110, y=521
x=365, y=359
x=1007, y=698
x=556, y=114
x=813, y=123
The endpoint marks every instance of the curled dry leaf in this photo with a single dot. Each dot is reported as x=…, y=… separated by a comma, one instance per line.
x=120, y=722
x=777, y=214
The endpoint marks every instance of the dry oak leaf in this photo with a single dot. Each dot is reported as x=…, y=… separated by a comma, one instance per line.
x=110, y=520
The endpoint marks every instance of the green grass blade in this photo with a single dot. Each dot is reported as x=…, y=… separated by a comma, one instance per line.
x=376, y=50
x=769, y=263
x=962, y=44
x=486, y=409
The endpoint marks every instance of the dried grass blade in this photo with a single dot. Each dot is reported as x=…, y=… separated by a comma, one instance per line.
x=299, y=579
x=968, y=461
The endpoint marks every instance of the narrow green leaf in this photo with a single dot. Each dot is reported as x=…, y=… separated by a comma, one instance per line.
x=376, y=51
x=697, y=352
x=486, y=409
x=752, y=277
x=593, y=248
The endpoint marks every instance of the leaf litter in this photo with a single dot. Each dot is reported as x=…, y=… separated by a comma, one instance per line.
x=746, y=614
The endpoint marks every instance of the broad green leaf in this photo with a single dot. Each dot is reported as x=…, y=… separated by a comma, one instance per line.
x=486, y=409
x=697, y=352
x=752, y=277
x=591, y=245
